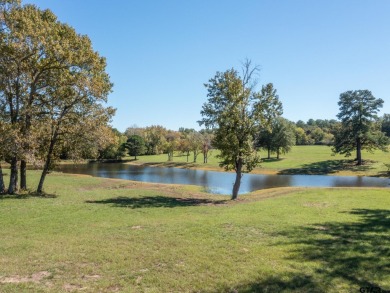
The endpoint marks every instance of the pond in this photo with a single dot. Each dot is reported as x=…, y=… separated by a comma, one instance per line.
x=217, y=182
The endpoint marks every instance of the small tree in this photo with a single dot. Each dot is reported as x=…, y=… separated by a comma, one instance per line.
x=279, y=138
x=235, y=110
x=358, y=114
x=283, y=136
x=136, y=146
x=171, y=143
x=207, y=138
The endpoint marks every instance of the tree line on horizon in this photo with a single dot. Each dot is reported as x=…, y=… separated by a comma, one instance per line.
x=283, y=134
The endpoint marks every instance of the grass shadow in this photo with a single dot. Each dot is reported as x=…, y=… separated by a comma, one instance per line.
x=382, y=174
x=358, y=252
x=156, y=202
x=355, y=255
x=26, y=195
x=271, y=160
x=327, y=167
x=288, y=282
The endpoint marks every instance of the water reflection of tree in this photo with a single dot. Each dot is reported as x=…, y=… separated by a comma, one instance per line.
x=256, y=182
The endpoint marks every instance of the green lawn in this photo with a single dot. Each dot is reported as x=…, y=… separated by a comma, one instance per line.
x=104, y=235
x=301, y=160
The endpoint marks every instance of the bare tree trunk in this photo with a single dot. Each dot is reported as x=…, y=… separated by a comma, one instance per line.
x=48, y=160
x=237, y=183
x=2, y=186
x=43, y=176
x=195, y=156
x=13, y=180
x=358, y=152
x=269, y=153
x=45, y=169
x=23, y=175
x=278, y=153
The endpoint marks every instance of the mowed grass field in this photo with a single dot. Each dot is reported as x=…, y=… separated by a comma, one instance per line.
x=301, y=160
x=105, y=235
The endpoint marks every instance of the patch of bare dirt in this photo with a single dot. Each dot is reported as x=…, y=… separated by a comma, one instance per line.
x=34, y=278
x=316, y=204
x=73, y=287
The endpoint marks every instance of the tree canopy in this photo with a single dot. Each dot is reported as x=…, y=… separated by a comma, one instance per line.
x=136, y=146
x=52, y=84
x=235, y=110
x=359, y=127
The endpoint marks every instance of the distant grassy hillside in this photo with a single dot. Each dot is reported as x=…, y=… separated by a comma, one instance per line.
x=301, y=160
x=104, y=235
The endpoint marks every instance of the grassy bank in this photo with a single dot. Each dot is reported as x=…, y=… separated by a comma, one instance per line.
x=301, y=160
x=103, y=235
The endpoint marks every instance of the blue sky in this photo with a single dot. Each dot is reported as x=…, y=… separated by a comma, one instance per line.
x=160, y=53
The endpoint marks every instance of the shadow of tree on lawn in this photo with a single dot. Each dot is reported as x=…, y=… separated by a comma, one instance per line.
x=271, y=160
x=26, y=195
x=327, y=167
x=156, y=202
x=350, y=256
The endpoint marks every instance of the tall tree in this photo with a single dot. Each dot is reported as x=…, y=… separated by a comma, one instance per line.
x=50, y=80
x=235, y=110
x=358, y=130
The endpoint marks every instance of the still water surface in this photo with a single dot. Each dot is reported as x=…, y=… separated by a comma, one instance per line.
x=218, y=182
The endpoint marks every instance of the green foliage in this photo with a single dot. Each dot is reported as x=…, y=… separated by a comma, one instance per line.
x=235, y=110
x=52, y=84
x=359, y=128
x=136, y=146
x=114, y=150
x=385, y=124
x=279, y=138
x=301, y=138
x=283, y=136
x=319, y=131
x=154, y=137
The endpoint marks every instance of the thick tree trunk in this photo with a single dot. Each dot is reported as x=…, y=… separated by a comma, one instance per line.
x=269, y=153
x=13, y=180
x=195, y=156
x=358, y=151
x=204, y=157
x=237, y=183
x=23, y=175
x=2, y=186
x=278, y=153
